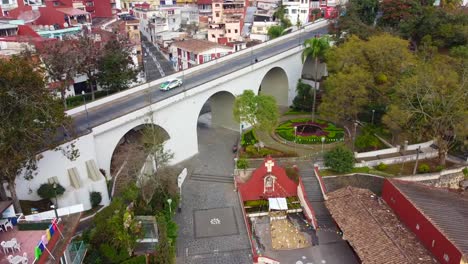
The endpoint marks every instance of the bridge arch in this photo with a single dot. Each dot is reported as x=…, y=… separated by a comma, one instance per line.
x=220, y=104
x=276, y=83
x=308, y=69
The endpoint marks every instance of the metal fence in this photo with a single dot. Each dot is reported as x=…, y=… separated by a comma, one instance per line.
x=77, y=252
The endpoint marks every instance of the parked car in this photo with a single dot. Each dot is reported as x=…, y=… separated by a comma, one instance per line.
x=170, y=84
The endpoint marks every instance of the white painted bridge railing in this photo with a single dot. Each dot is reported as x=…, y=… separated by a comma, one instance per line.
x=51, y=214
x=317, y=24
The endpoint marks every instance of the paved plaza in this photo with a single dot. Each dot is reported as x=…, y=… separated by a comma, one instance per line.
x=211, y=227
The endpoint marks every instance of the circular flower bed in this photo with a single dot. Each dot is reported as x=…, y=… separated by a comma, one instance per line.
x=308, y=132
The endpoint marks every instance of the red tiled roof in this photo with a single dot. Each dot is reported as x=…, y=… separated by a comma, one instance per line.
x=373, y=230
x=197, y=45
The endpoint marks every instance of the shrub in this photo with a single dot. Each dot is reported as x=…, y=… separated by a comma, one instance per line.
x=47, y=190
x=424, y=168
x=248, y=138
x=465, y=172
x=339, y=159
x=242, y=164
x=439, y=168
x=381, y=166
x=292, y=174
x=95, y=198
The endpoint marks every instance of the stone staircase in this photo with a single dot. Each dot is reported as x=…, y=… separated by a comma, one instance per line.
x=315, y=197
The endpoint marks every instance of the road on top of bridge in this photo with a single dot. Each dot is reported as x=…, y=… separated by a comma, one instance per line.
x=104, y=113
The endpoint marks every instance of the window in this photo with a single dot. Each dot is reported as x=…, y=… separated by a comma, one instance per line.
x=303, y=11
x=286, y=11
x=193, y=57
x=433, y=243
x=56, y=3
x=6, y=2
x=217, y=14
x=236, y=31
x=229, y=31
x=213, y=36
x=135, y=27
x=216, y=5
x=206, y=57
x=417, y=227
x=293, y=11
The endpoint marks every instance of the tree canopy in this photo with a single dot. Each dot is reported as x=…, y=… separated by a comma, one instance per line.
x=30, y=118
x=260, y=111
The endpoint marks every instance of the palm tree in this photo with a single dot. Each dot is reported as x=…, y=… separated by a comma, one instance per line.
x=315, y=48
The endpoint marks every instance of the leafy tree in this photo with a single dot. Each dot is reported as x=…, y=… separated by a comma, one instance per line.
x=281, y=15
x=315, y=48
x=116, y=68
x=61, y=60
x=346, y=94
x=260, y=111
x=275, y=31
x=431, y=104
x=395, y=12
x=366, y=10
x=339, y=159
x=91, y=52
x=303, y=99
x=164, y=253
x=47, y=190
x=30, y=118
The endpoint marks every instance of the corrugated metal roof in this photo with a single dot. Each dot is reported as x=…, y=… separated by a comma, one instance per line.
x=447, y=210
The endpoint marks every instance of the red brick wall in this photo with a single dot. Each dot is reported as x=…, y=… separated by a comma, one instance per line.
x=427, y=232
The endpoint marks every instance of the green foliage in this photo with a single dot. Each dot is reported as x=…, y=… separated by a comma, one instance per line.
x=95, y=198
x=381, y=166
x=249, y=138
x=292, y=173
x=30, y=118
x=339, y=159
x=136, y=260
x=260, y=111
x=366, y=10
x=116, y=68
x=111, y=254
x=280, y=14
x=303, y=100
x=47, y=190
x=77, y=100
x=465, y=172
x=424, y=168
x=439, y=168
x=165, y=249
x=275, y=31
x=242, y=164
x=286, y=131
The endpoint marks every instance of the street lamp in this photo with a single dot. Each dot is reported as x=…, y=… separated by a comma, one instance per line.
x=373, y=112
x=295, y=138
x=86, y=108
x=169, y=201
x=323, y=141
x=55, y=210
x=54, y=206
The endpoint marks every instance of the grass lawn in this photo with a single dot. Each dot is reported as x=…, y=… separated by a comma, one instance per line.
x=392, y=170
x=294, y=112
x=407, y=168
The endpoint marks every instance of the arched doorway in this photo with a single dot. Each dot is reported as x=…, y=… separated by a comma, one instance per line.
x=276, y=84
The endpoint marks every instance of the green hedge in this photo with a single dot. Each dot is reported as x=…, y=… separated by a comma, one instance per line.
x=286, y=131
x=77, y=100
x=248, y=138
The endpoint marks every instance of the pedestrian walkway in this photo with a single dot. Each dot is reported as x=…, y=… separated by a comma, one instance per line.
x=156, y=64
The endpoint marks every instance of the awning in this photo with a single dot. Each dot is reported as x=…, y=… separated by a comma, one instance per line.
x=72, y=11
x=278, y=203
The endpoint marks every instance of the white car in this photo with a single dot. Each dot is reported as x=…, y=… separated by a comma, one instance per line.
x=170, y=84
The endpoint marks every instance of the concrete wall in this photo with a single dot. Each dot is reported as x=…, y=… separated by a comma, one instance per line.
x=221, y=111
x=275, y=83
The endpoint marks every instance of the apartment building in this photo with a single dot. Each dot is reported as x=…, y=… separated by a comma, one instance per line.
x=227, y=21
x=191, y=52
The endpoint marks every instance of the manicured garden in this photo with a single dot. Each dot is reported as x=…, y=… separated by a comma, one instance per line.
x=306, y=131
x=252, y=148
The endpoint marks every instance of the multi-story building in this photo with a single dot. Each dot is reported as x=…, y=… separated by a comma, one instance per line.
x=227, y=21
x=297, y=11
x=191, y=52
x=130, y=4
x=131, y=28
x=165, y=18
x=102, y=8
x=205, y=11
x=7, y=5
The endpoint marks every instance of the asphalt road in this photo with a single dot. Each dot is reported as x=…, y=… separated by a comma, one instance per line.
x=107, y=112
